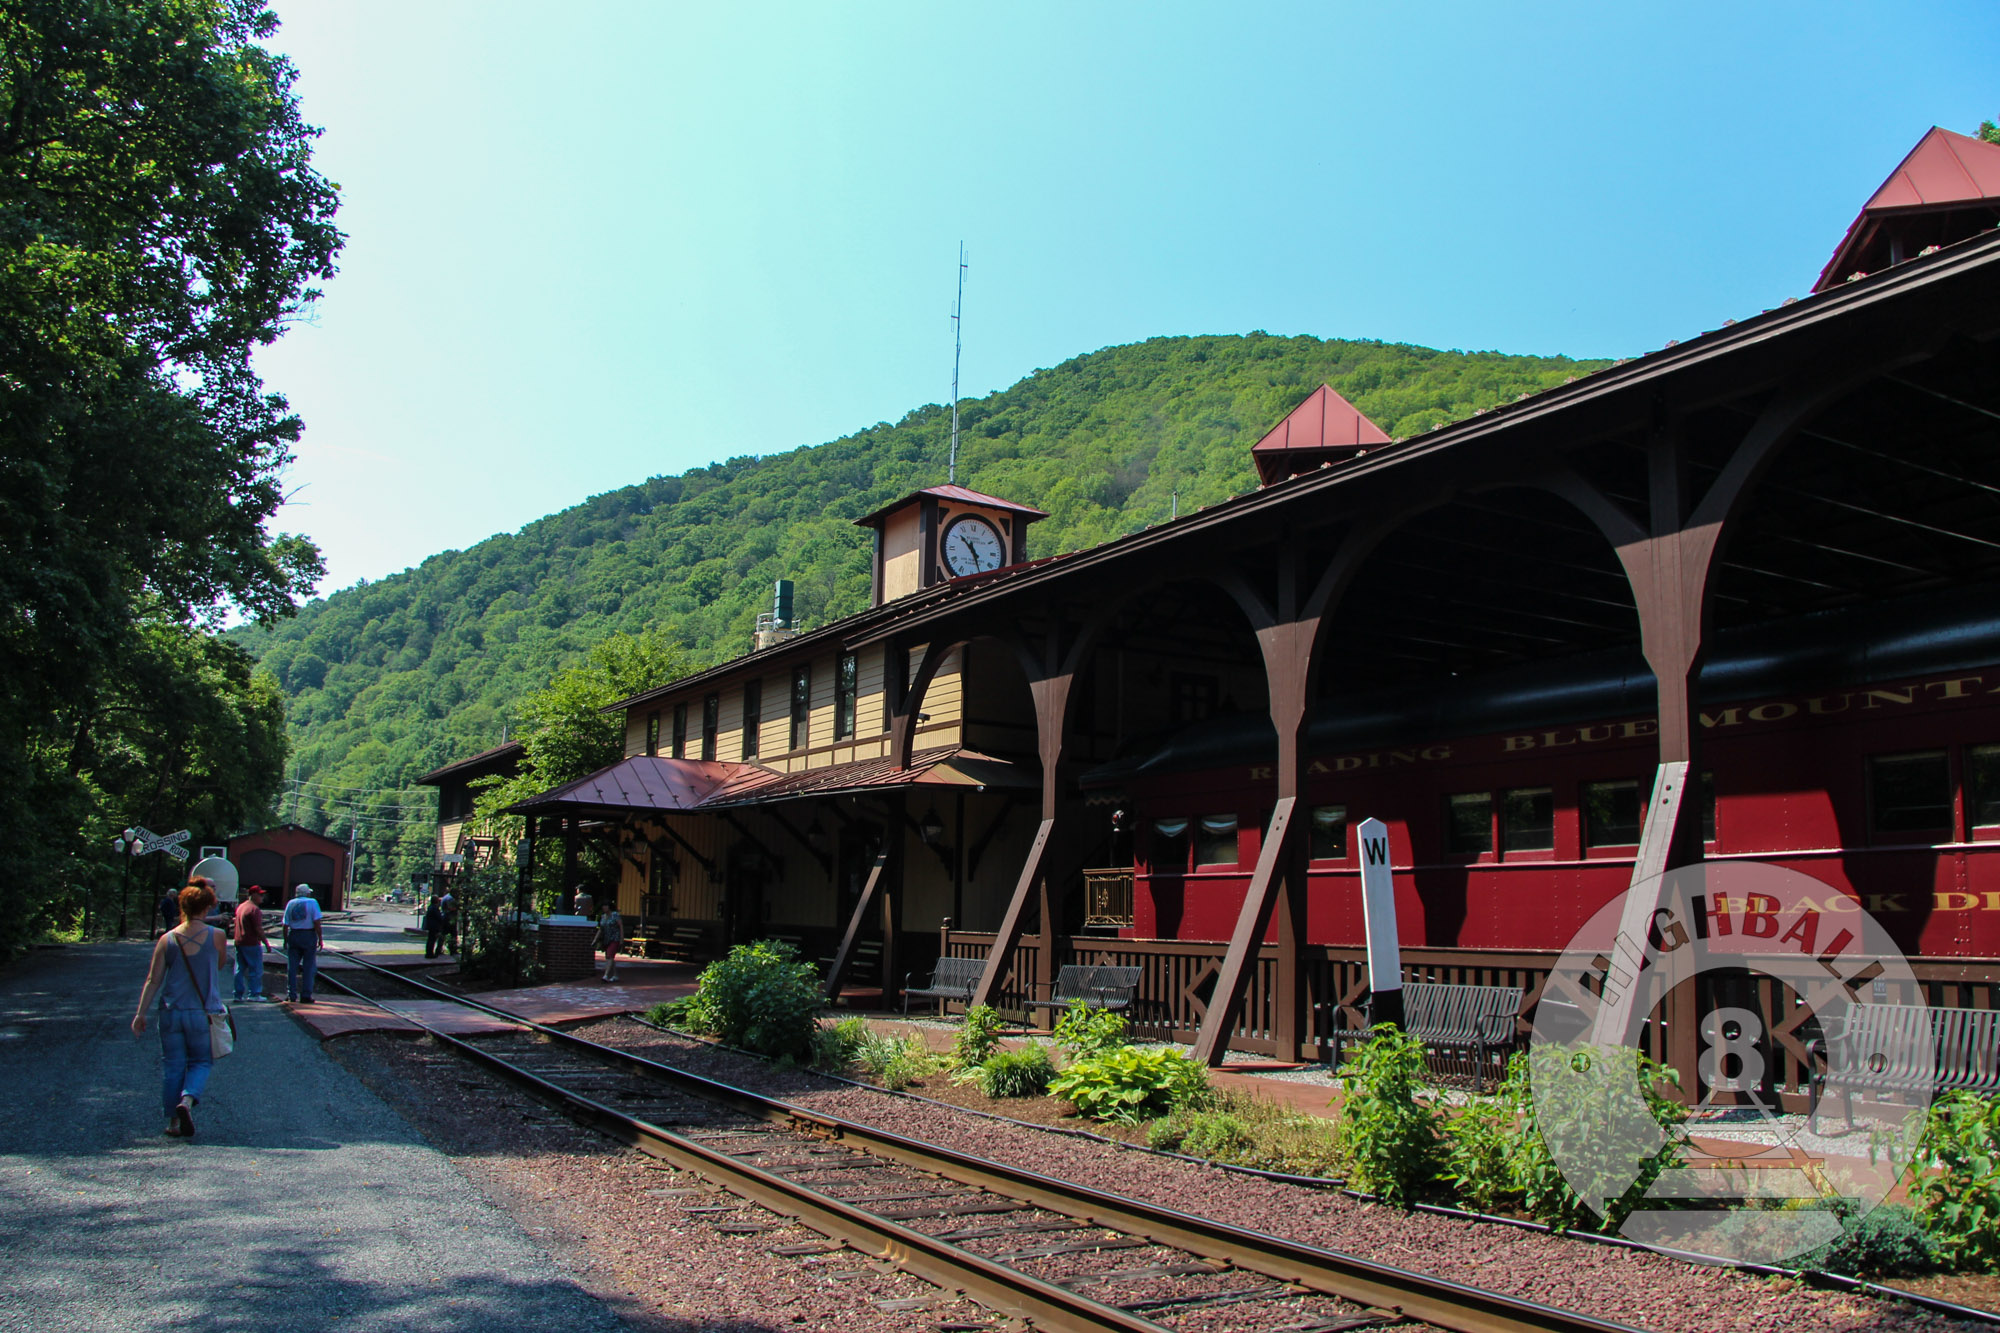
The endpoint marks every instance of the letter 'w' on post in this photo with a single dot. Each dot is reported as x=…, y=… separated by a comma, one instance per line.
x=1378, y=914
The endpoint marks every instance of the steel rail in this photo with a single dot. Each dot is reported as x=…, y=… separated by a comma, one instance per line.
x=1433, y=1300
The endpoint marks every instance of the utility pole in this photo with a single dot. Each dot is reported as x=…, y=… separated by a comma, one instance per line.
x=957, y=346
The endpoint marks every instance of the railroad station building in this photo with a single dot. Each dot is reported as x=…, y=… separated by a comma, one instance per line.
x=1737, y=598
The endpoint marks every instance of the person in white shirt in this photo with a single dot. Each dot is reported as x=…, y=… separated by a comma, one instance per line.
x=303, y=941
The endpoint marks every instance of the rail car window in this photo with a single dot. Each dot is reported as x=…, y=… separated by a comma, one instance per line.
x=1982, y=785
x=753, y=716
x=1215, y=840
x=1910, y=793
x=1708, y=807
x=1169, y=848
x=680, y=731
x=1612, y=812
x=1329, y=833
x=711, y=714
x=1528, y=820
x=1468, y=824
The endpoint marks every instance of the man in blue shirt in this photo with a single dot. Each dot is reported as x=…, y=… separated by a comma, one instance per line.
x=303, y=941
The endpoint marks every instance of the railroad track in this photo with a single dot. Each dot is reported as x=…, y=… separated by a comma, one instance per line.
x=1058, y=1255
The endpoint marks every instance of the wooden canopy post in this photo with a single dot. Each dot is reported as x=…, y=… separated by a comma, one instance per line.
x=1049, y=681
x=1288, y=636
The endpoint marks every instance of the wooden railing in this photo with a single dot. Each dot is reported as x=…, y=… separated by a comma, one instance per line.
x=1177, y=979
x=1107, y=898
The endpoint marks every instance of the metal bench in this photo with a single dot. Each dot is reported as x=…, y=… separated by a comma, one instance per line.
x=951, y=979
x=1878, y=1048
x=1469, y=1029
x=1098, y=987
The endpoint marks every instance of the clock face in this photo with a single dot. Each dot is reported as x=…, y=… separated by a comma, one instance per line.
x=971, y=546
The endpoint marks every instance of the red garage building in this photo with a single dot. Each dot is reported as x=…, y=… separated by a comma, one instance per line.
x=286, y=856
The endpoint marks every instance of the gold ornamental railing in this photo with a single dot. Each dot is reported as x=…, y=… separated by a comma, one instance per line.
x=1107, y=898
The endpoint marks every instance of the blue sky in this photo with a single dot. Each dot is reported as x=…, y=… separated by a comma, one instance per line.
x=594, y=243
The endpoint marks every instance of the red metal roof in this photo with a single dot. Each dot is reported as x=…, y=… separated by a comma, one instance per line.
x=1325, y=426
x=956, y=494
x=642, y=782
x=1944, y=172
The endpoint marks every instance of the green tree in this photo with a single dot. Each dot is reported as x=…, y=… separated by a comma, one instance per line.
x=567, y=735
x=1989, y=131
x=159, y=220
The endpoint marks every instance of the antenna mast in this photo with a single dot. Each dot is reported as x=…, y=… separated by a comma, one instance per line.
x=957, y=346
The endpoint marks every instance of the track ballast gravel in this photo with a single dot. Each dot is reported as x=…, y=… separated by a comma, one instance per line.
x=1634, y=1286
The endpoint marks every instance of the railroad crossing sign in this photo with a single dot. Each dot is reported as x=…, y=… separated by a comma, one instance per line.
x=142, y=840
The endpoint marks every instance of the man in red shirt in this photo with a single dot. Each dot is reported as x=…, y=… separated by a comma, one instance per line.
x=250, y=942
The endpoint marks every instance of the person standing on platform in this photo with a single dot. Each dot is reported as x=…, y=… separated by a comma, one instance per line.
x=303, y=941
x=187, y=976
x=449, y=906
x=435, y=927
x=170, y=911
x=251, y=941
x=610, y=938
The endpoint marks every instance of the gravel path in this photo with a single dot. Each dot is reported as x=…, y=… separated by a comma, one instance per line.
x=1641, y=1288
x=305, y=1202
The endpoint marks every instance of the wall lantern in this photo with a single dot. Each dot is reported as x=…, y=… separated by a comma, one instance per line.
x=932, y=829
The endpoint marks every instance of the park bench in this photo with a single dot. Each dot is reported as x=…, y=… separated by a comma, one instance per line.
x=686, y=944
x=1468, y=1030
x=1879, y=1048
x=1095, y=986
x=951, y=979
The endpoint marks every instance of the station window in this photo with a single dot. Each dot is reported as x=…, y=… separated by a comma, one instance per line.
x=753, y=716
x=802, y=693
x=1468, y=824
x=711, y=712
x=1169, y=846
x=1612, y=813
x=1329, y=833
x=847, y=685
x=680, y=731
x=1215, y=840
x=1982, y=785
x=1528, y=820
x=1194, y=697
x=652, y=733
x=1910, y=794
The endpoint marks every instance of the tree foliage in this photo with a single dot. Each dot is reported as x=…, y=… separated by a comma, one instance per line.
x=392, y=678
x=159, y=221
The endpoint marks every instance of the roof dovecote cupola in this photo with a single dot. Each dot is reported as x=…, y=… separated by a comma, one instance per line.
x=942, y=533
x=1325, y=428
x=1947, y=190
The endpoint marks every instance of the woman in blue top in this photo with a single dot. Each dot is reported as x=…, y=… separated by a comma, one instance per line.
x=189, y=989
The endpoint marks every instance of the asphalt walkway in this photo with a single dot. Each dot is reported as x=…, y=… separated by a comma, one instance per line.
x=305, y=1202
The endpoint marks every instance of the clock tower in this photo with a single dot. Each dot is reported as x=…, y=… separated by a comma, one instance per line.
x=942, y=533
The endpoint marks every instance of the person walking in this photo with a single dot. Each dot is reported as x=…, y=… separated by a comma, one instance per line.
x=303, y=941
x=610, y=938
x=169, y=911
x=435, y=926
x=251, y=941
x=186, y=975
x=448, y=905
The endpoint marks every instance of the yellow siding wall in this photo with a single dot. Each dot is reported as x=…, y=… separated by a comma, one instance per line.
x=902, y=562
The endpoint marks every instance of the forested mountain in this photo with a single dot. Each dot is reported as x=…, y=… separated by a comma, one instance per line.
x=389, y=679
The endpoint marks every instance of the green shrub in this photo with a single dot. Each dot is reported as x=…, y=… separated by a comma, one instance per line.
x=894, y=1062
x=1958, y=1192
x=834, y=1047
x=1575, y=1112
x=1127, y=1084
x=1250, y=1131
x=1887, y=1241
x=1083, y=1032
x=1387, y=1133
x=759, y=997
x=1480, y=1143
x=1022, y=1073
x=671, y=1013
x=978, y=1037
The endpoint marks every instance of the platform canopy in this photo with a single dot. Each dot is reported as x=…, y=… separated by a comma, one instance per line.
x=640, y=784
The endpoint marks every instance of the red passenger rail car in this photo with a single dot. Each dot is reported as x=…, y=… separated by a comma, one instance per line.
x=1861, y=748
